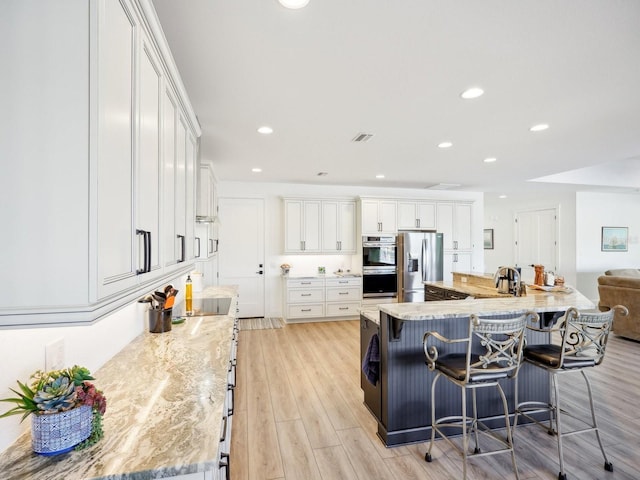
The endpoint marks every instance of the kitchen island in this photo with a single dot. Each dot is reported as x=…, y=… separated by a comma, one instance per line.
x=400, y=400
x=169, y=407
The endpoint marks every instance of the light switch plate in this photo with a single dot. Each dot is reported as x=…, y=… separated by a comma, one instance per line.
x=54, y=355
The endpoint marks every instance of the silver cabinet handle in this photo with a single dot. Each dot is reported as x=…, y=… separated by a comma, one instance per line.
x=305, y=310
x=305, y=294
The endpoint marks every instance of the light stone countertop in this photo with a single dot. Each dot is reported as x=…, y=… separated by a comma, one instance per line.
x=165, y=395
x=539, y=302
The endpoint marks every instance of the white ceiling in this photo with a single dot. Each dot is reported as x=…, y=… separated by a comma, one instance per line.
x=320, y=75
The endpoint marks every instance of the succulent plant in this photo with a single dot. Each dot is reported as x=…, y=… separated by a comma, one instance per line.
x=57, y=396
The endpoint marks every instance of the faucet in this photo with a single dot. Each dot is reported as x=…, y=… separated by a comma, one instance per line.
x=509, y=276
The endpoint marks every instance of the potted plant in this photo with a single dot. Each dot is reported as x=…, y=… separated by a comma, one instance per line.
x=66, y=409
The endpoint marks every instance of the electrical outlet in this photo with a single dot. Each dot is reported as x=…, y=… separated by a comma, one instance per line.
x=54, y=355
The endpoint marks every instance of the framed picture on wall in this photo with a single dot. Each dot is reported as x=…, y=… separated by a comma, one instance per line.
x=488, y=238
x=615, y=239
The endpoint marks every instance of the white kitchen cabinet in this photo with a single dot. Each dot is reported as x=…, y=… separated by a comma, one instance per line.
x=454, y=222
x=456, y=262
x=414, y=215
x=98, y=188
x=206, y=207
x=379, y=216
x=314, y=298
x=339, y=226
x=302, y=226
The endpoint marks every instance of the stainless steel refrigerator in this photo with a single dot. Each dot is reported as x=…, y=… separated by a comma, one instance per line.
x=419, y=260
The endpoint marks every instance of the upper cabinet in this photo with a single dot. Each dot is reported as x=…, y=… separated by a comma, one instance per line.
x=454, y=221
x=302, y=226
x=339, y=226
x=414, y=215
x=108, y=147
x=206, y=245
x=379, y=216
x=319, y=226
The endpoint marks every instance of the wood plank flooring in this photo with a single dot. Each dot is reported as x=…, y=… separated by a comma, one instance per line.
x=299, y=415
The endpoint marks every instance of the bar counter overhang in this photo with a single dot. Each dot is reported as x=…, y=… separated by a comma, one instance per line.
x=401, y=399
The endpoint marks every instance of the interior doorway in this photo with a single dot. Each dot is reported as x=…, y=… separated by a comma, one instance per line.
x=536, y=240
x=241, y=252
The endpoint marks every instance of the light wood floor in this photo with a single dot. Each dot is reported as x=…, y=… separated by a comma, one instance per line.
x=299, y=415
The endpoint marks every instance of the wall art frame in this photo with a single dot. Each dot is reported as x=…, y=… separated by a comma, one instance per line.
x=614, y=239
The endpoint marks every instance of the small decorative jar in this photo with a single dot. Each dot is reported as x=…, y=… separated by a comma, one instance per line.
x=55, y=433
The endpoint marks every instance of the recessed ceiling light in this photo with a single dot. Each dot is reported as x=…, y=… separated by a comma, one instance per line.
x=473, y=92
x=256, y=170
x=445, y=145
x=502, y=196
x=538, y=128
x=490, y=160
x=265, y=130
x=293, y=4
x=380, y=175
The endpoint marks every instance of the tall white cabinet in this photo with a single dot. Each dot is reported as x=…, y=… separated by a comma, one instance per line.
x=454, y=221
x=103, y=158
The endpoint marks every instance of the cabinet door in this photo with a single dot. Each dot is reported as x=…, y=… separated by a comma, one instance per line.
x=190, y=194
x=388, y=216
x=312, y=226
x=116, y=243
x=370, y=222
x=347, y=227
x=205, y=204
x=426, y=215
x=462, y=227
x=407, y=218
x=149, y=163
x=445, y=224
x=169, y=116
x=330, y=227
x=293, y=221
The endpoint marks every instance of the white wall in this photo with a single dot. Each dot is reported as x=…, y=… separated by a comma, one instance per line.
x=308, y=264
x=499, y=214
x=597, y=210
x=582, y=215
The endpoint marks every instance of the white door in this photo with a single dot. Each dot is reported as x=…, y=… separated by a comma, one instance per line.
x=536, y=240
x=241, y=252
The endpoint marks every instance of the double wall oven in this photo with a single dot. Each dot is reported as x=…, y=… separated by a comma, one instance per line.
x=379, y=267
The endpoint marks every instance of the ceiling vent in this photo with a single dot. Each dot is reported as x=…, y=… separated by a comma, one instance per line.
x=362, y=137
x=442, y=186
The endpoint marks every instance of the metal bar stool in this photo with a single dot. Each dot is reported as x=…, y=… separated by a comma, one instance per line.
x=493, y=352
x=583, y=339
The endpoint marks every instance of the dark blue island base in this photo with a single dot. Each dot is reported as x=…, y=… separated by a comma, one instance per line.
x=401, y=399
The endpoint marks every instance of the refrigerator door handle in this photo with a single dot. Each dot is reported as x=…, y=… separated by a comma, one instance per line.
x=423, y=260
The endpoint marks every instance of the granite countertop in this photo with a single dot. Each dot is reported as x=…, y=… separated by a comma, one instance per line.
x=539, y=302
x=477, y=291
x=165, y=394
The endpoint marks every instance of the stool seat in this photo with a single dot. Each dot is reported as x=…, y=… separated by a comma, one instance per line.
x=549, y=355
x=454, y=365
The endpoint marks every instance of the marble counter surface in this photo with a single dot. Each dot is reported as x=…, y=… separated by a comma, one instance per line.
x=539, y=302
x=165, y=395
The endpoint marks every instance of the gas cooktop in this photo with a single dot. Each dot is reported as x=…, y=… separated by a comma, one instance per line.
x=204, y=307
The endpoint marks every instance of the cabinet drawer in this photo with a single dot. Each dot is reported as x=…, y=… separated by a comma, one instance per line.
x=343, y=282
x=305, y=282
x=312, y=310
x=343, y=309
x=336, y=294
x=310, y=295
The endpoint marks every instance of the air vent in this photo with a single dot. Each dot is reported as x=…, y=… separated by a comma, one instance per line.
x=362, y=137
x=442, y=186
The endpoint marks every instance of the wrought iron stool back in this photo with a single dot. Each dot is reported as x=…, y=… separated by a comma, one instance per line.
x=583, y=342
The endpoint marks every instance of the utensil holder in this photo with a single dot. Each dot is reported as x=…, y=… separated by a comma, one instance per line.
x=159, y=320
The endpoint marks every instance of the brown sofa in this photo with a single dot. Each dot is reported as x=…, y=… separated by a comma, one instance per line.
x=622, y=287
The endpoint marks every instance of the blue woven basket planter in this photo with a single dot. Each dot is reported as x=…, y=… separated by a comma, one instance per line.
x=56, y=433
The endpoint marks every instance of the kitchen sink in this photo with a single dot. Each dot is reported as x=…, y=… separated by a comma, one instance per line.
x=204, y=307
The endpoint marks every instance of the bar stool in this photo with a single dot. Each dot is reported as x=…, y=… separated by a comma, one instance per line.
x=583, y=339
x=492, y=351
